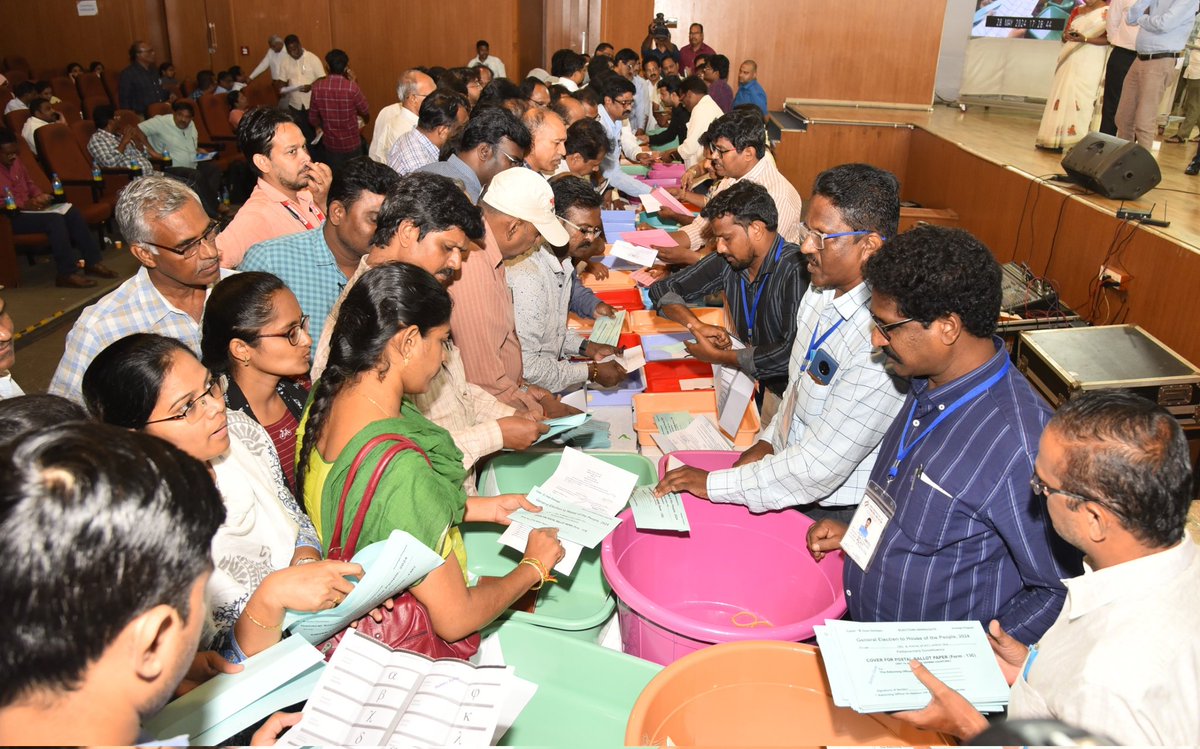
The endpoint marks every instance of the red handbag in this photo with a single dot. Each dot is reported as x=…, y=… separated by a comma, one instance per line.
x=406, y=625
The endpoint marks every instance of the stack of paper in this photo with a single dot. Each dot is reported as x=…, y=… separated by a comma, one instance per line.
x=634, y=254
x=607, y=330
x=672, y=421
x=562, y=425
x=649, y=238
x=594, y=435
x=631, y=359
x=699, y=434
x=868, y=664
x=616, y=223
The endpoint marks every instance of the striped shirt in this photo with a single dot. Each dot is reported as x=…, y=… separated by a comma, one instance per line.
x=787, y=200
x=411, y=151
x=102, y=147
x=978, y=545
x=835, y=432
x=771, y=299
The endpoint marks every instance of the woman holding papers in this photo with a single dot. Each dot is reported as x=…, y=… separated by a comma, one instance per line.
x=388, y=343
x=266, y=557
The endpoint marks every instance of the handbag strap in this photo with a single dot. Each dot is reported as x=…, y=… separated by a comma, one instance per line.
x=400, y=444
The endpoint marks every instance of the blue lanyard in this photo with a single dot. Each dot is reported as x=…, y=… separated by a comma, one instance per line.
x=975, y=392
x=750, y=314
x=814, y=343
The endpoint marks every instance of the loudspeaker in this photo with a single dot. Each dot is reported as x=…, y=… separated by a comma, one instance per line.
x=1115, y=168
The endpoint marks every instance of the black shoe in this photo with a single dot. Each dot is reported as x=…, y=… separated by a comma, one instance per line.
x=1193, y=168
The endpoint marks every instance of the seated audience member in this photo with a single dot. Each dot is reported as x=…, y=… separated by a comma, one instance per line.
x=569, y=108
x=46, y=91
x=315, y=264
x=23, y=93
x=493, y=140
x=152, y=384
x=206, y=83
x=8, y=356
x=716, y=75
x=536, y=92
x=483, y=56
x=138, y=87
x=763, y=278
x=486, y=75
x=225, y=82
x=73, y=71
x=749, y=90
x=548, y=133
x=70, y=239
x=256, y=336
x=338, y=109
x=818, y=453
x=586, y=146
x=1114, y=472
x=542, y=284
x=518, y=206
x=96, y=68
x=568, y=68
x=702, y=112
x=398, y=118
x=289, y=196
x=20, y=414
x=117, y=144
x=166, y=77
x=168, y=234
x=237, y=108
x=591, y=100
x=618, y=101
x=174, y=137
x=443, y=116
x=625, y=65
x=388, y=344
x=298, y=70
x=670, y=94
x=971, y=504
x=271, y=60
x=41, y=114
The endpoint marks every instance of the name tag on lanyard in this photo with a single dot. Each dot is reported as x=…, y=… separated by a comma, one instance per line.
x=873, y=515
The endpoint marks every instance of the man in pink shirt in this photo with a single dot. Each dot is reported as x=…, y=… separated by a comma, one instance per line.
x=291, y=189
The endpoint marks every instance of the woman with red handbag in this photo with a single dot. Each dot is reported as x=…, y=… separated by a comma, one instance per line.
x=380, y=465
x=266, y=557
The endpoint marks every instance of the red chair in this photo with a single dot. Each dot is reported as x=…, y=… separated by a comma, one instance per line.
x=16, y=76
x=63, y=156
x=83, y=131
x=91, y=87
x=214, y=110
x=157, y=108
x=64, y=88
x=112, y=84
x=16, y=62
x=90, y=104
x=15, y=120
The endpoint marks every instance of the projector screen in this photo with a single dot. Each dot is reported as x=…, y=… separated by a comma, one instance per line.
x=1022, y=19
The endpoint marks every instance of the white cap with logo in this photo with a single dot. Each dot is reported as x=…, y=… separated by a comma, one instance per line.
x=525, y=194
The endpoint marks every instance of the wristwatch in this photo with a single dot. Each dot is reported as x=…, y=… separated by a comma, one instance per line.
x=583, y=348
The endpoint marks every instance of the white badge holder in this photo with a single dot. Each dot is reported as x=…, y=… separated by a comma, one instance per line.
x=861, y=540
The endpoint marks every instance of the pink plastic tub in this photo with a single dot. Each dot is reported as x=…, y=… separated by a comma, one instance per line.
x=736, y=576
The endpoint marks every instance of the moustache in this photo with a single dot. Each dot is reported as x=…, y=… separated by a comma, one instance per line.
x=889, y=353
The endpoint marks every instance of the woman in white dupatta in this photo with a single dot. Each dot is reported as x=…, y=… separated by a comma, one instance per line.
x=1077, y=78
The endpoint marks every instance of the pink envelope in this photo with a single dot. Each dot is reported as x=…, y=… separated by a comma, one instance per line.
x=659, y=182
x=663, y=171
x=665, y=198
x=649, y=238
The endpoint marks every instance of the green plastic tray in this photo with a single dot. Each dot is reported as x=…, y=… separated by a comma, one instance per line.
x=637, y=170
x=585, y=692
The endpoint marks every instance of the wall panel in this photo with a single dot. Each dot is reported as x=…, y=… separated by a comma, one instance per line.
x=49, y=33
x=623, y=23
x=802, y=156
x=565, y=23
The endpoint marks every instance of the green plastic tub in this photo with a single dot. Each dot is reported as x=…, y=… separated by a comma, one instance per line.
x=578, y=605
x=585, y=692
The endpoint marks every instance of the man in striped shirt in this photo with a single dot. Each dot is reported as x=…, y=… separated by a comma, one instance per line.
x=967, y=538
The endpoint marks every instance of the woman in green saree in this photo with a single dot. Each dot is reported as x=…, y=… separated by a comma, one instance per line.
x=388, y=343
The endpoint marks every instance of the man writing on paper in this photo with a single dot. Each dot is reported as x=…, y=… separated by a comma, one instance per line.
x=817, y=453
x=963, y=535
x=763, y=278
x=542, y=284
x=1122, y=657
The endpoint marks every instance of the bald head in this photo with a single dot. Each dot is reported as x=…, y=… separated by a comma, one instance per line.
x=747, y=72
x=414, y=86
x=569, y=108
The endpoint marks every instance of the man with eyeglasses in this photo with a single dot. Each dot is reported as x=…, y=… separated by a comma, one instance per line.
x=963, y=536
x=397, y=119
x=817, y=453
x=139, y=86
x=543, y=285
x=168, y=232
x=493, y=140
x=1122, y=657
x=618, y=96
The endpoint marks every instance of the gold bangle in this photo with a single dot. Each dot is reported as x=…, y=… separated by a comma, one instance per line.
x=246, y=611
x=541, y=570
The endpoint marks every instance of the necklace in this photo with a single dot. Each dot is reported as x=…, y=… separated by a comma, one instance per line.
x=382, y=410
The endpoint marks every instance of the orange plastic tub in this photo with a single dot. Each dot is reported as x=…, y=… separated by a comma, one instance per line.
x=616, y=281
x=756, y=693
x=697, y=403
x=648, y=322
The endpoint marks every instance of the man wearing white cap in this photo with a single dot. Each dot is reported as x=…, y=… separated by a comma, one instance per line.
x=517, y=207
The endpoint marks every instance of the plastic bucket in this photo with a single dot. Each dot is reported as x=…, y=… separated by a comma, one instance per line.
x=756, y=694
x=736, y=576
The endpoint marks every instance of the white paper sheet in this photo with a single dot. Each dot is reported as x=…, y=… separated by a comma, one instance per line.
x=631, y=360
x=735, y=389
x=643, y=256
x=574, y=523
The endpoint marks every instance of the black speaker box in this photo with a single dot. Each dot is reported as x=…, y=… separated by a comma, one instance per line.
x=1115, y=168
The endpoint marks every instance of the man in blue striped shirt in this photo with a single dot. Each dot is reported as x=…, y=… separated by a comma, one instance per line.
x=968, y=539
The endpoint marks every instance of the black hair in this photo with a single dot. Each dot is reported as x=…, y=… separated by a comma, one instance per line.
x=337, y=60
x=601, y=48
x=586, y=138
x=565, y=63
x=42, y=85
x=360, y=174
x=122, y=384
x=482, y=43
x=441, y=108
x=672, y=83
x=182, y=104
x=693, y=84
x=529, y=84
x=867, y=197
x=103, y=114
x=386, y=299
x=610, y=85
x=27, y=413
x=238, y=307
x=235, y=71
x=700, y=61
x=233, y=98
x=204, y=79
x=719, y=63
x=291, y=39
x=433, y=72
x=36, y=103
x=934, y=271
x=162, y=69
x=467, y=73
x=589, y=95
x=746, y=202
x=223, y=75
x=697, y=26
x=557, y=91
x=490, y=125
x=1132, y=455
x=97, y=65
x=430, y=202
x=99, y=525
x=133, y=53
x=450, y=79
x=71, y=66
x=256, y=133
x=599, y=65
x=626, y=55
x=573, y=192
x=742, y=128
x=500, y=90
x=24, y=88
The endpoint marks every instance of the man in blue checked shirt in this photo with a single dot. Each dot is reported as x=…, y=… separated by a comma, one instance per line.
x=964, y=536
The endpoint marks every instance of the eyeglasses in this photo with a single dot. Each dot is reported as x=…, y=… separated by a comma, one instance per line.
x=189, y=248
x=293, y=333
x=626, y=103
x=590, y=232
x=885, y=329
x=513, y=160
x=194, y=409
x=1040, y=487
x=720, y=151
x=819, y=238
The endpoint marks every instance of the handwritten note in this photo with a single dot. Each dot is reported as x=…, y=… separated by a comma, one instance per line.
x=607, y=330
x=665, y=513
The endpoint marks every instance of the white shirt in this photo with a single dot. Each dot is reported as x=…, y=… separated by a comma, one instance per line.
x=300, y=72
x=567, y=83
x=787, y=200
x=13, y=105
x=703, y=114
x=393, y=121
x=493, y=64
x=9, y=387
x=270, y=61
x=1123, y=657
x=836, y=428
x=1121, y=34
x=31, y=126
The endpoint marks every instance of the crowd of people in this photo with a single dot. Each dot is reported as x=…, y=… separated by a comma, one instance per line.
x=400, y=307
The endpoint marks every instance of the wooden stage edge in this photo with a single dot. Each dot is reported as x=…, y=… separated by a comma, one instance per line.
x=984, y=167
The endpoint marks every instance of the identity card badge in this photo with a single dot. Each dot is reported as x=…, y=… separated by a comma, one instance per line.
x=866, y=527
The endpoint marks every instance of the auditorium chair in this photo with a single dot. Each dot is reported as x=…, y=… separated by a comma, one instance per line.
x=91, y=88
x=16, y=76
x=61, y=155
x=16, y=62
x=90, y=104
x=83, y=130
x=159, y=107
x=214, y=110
x=15, y=120
x=112, y=84
x=10, y=274
x=64, y=88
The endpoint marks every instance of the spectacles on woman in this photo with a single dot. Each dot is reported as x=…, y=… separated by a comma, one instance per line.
x=293, y=333
x=589, y=232
x=194, y=409
x=819, y=238
x=188, y=248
